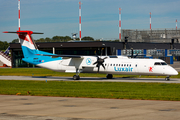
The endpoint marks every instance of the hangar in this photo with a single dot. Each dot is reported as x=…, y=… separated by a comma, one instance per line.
x=165, y=51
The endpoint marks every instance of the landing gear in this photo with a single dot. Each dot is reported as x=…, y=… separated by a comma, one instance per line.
x=167, y=78
x=109, y=76
x=76, y=77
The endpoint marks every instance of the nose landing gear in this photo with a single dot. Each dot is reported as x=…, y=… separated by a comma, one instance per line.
x=167, y=78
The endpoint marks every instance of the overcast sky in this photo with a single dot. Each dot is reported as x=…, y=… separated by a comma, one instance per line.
x=99, y=17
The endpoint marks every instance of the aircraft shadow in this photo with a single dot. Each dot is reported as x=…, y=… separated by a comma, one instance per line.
x=113, y=79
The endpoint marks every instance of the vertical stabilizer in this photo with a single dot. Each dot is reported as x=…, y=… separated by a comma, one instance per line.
x=28, y=45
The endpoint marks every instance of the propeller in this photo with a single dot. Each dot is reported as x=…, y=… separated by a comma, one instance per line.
x=99, y=61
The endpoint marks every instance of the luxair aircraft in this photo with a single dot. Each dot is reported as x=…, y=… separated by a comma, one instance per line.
x=91, y=64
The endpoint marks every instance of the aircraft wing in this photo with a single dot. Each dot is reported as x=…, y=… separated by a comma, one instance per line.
x=64, y=56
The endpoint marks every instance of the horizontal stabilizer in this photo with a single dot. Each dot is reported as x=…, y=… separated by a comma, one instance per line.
x=23, y=32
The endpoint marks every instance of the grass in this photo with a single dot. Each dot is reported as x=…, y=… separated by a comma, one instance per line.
x=46, y=72
x=142, y=91
x=113, y=90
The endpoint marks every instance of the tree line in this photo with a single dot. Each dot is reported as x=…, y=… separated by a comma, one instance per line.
x=57, y=39
x=4, y=45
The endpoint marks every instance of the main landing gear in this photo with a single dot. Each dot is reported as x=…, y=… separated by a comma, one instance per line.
x=76, y=77
x=109, y=76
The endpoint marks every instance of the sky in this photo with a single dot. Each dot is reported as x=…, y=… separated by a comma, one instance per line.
x=100, y=18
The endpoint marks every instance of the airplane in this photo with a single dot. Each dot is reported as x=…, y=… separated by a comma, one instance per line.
x=90, y=64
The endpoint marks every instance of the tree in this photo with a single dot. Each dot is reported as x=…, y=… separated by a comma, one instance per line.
x=15, y=41
x=40, y=40
x=47, y=39
x=61, y=39
x=4, y=45
x=88, y=38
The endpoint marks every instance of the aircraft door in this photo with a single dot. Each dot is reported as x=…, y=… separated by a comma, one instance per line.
x=59, y=66
x=136, y=65
x=106, y=66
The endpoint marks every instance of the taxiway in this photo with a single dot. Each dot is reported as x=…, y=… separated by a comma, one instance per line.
x=48, y=78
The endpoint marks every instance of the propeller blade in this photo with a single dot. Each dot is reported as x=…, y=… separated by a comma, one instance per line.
x=103, y=66
x=98, y=68
x=136, y=55
x=105, y=58
x=95, y=63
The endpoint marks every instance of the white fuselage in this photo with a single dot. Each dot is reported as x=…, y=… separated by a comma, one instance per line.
x=120, y=65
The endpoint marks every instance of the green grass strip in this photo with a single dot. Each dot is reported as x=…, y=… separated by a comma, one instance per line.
x=113, y=90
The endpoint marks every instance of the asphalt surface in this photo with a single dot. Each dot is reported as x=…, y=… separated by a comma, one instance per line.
x=64, y=108
x=44, y=78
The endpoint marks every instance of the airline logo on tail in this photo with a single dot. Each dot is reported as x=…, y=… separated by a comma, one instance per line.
x=27, y=44
x=25, y=39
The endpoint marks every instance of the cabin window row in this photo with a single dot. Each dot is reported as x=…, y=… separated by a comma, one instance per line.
x=122, y=65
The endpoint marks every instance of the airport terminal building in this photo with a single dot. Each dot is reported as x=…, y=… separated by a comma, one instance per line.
x=165, y=51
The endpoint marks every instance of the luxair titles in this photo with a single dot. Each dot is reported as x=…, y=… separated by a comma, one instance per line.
x=123, y=69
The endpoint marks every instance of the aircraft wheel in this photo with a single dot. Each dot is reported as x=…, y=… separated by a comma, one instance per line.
x=76, y=77
x=167, y=79
x=109, y=76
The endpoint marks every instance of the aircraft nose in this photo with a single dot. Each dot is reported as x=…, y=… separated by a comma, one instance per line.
x=170, y=71
x=173, y=72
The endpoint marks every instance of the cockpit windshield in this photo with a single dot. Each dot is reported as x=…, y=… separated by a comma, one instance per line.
x=160, y=63
x=163, y=63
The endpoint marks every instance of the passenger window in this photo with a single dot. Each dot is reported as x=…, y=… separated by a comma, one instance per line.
x=136, y=65
x=111, y=64
x=121, y=64
x=114, y=64
x=124, y=65
x=130, y=65
x=127, y=65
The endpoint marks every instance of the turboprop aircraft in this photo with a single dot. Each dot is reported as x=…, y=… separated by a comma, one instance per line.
x=91, y=64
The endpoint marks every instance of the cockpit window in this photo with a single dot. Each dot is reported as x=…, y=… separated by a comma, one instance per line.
x=157, y=63
x=163, y=63
x=160, y=63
